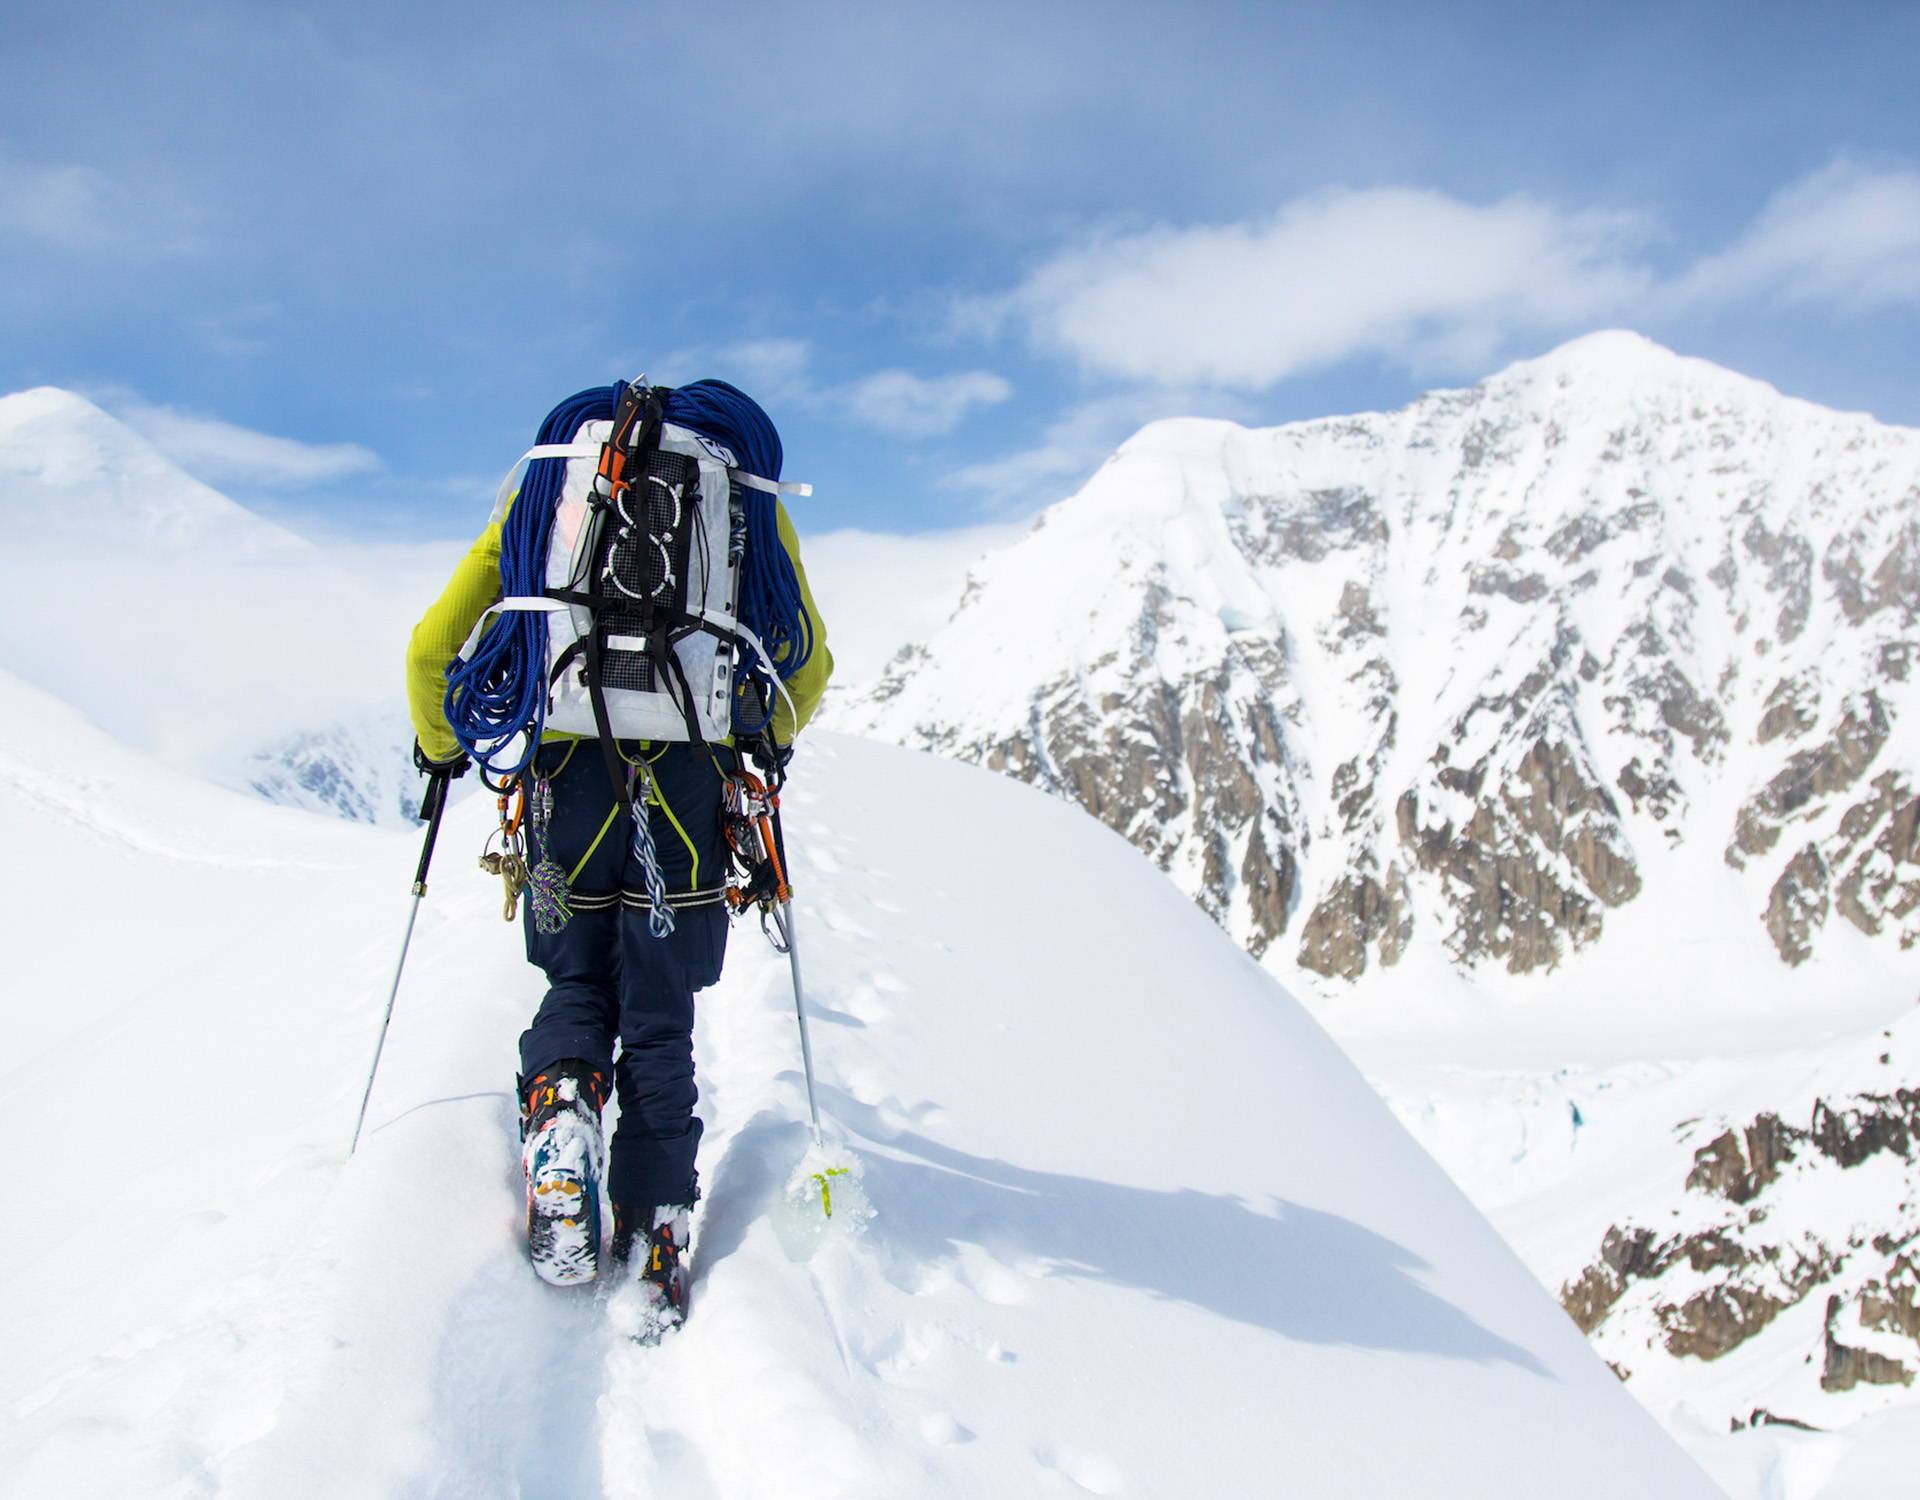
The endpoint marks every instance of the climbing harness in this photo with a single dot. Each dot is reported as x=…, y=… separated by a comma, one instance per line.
x=646, y=594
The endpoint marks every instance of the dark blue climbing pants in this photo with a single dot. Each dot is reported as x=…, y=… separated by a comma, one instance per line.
x=609, y=978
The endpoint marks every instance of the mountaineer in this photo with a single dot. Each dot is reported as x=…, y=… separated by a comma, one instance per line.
x=628, y=652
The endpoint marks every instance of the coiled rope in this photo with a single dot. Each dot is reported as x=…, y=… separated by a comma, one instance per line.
x=497, y=698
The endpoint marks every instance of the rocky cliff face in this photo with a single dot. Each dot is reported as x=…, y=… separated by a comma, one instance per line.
x=360, y=770
x=1789, y=1248
x=1472, y=674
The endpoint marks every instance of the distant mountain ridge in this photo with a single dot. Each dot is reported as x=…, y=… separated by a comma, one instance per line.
x=1471, y=674
x=69, y=470
x=167, y=608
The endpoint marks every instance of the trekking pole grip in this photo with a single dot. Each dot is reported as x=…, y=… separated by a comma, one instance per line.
x=432, y=805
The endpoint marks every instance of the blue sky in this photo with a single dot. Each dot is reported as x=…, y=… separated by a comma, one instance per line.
x=341, y=258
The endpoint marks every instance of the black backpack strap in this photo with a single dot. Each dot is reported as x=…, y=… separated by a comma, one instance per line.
x=636, y=428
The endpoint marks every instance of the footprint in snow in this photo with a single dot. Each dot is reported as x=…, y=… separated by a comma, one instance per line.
x=863, y=1002
x=941, y=1430
x=1092, y=1472
x=971, y=1270
x=838, y=922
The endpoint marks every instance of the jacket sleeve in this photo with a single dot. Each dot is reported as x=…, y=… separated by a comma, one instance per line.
x=442, y=631
x=809, y=684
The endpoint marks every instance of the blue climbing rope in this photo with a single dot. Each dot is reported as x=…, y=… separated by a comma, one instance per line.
x=498, y=695
x=770, y=602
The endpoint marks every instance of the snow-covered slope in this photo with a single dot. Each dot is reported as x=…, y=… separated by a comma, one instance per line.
x=192, y=628
x=1611, y=629
x=1697, y=1197
x=70, y=473
x=1141, y=1228
x=1780, y=1246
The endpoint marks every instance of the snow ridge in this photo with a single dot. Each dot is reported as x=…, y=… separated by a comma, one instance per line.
x=1068, y=1231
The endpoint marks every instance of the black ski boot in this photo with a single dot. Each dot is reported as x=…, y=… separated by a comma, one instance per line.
x=564, y=1158
x=654, y=1300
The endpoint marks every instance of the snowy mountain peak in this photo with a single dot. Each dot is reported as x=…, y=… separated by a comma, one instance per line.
x=1196, y=437
x=1616, y=368
x=69, y=471
x=1609, y=352
x=1476, y=676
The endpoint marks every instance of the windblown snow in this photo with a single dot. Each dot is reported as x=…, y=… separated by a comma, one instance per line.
x=1139, y=1226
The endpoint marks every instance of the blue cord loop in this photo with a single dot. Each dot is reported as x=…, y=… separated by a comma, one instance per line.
x=496, y=702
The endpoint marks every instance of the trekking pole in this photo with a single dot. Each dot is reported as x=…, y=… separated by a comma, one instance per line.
x=783, y=919
x=753, y=832
x=431, y=806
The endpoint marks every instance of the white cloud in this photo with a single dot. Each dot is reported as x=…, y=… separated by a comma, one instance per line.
x=75, y=208
x=767, y=369
x=66, y=207
x=223, y=453
x=1436, y=283
x=1076, y=442
x=776, y=366
x=1400, y=272
x=898, y=402
x=1845, y=235
x=888, y=589
x=909, y=405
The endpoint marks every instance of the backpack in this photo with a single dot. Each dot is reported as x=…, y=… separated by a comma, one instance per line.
x=623, y=577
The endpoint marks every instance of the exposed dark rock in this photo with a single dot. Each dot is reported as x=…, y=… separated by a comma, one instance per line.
x=900, y=667
x=1789, y=709
x=1626, y=1255
x=1789, y=563
x=1870, y=1124
x=1590, y=1296
x=1818, y=772
x=1761, y=1417
x=1504, y=868
x=1798, y=904
x=1270, y=877
x=1656, y=793
x=1879, y=853
x=1721, y=1318
x=1359, y=911
x=1893, y=582
x=1356, y=614
x=1589, y=531
x=1739, y=1170
x=1522, y=588
x=1892, y=1304
x=1848, y=1366
x=1308, y=525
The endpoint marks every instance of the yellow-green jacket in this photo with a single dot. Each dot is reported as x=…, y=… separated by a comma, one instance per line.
x=475, y=584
